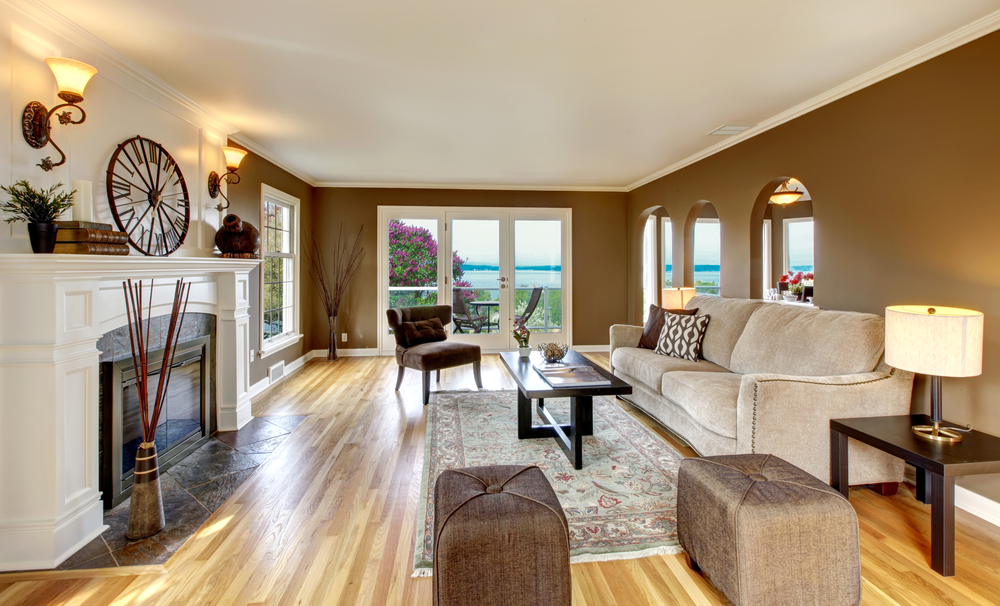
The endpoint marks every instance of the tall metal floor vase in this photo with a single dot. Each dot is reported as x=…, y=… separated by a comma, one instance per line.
x=145, y=516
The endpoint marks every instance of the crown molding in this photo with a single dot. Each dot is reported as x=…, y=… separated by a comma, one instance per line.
x=470, y=186
x=977, y=29
x=263, y=152
x=57, y=23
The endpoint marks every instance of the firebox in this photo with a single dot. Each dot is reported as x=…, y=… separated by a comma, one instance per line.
x=185, y=423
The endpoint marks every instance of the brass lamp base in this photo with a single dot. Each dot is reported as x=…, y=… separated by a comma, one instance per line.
x=937, y=433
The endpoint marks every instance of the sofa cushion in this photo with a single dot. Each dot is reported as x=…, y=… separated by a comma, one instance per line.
x=729, y=317
x=710, y=398
x=648, y=367
x=654, y=324
x=788, y=340
x=681, y=336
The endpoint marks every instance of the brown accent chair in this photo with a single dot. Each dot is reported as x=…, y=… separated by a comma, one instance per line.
x=500, y=537
x=428, y=357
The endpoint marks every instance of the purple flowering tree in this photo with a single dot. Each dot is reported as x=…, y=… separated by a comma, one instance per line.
x=413, y=255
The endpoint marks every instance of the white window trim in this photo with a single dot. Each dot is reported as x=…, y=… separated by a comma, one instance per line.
x=276, y=344
x=766, y=257
x=649, y=266
x=784, y=239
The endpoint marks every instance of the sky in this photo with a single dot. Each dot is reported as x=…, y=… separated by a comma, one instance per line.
x=478, y=241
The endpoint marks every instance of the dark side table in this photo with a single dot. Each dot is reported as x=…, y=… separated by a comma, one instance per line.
x=937, y=463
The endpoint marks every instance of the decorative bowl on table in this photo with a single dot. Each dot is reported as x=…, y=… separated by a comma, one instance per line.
x=789, y=297
x=553, y=352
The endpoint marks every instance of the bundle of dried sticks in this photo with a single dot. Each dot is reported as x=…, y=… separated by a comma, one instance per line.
x=140, y=349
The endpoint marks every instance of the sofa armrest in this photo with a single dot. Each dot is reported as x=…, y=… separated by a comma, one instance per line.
x=789, y=416
x=623, y=335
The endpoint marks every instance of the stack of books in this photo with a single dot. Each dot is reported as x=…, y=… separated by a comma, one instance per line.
x=558, y=374
x=86, y=238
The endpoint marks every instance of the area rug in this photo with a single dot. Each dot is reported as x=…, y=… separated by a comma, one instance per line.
x=621, y=505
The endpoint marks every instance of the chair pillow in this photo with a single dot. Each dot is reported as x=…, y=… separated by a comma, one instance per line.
x=424, y=331
x=654, y=324
x=681, y=336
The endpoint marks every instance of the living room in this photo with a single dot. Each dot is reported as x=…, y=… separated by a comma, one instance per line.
x=891, y=141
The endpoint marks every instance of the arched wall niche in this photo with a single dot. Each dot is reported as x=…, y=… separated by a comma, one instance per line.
x=638, y=229
x=701, y=208
x=762, y=209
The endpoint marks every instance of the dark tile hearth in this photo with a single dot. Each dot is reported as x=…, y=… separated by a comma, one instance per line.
x=193, y=489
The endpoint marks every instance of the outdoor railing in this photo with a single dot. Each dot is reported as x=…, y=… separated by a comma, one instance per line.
x=541, y=319
x=708, y=290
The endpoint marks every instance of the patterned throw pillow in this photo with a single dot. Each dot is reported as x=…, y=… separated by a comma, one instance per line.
x=681, y=336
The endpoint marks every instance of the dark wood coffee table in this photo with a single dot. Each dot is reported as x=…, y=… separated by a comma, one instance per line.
x=531, y=386
x=937, y=463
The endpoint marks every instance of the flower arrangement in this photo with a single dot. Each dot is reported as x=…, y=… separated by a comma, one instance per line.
x=521, y=333
x=797, y=281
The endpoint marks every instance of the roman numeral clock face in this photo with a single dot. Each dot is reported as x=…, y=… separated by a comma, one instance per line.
x=148, y=197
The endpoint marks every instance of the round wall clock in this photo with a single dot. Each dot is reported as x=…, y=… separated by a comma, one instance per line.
x=148, y=197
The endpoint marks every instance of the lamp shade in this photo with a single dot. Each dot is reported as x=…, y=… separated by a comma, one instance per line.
x=940, y=341
x=785, y=197
x=234, y=156
x=676, y=298
x=71, y=77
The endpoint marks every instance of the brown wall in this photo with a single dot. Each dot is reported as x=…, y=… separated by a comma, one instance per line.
x=244, y=200
x=599, y=252
x=905, y=181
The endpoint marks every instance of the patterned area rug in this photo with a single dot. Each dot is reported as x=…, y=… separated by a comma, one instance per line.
x=621, y=505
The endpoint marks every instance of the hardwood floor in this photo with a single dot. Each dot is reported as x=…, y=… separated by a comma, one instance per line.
x=329, y=519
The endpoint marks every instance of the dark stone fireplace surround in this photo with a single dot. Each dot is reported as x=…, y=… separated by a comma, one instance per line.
x=115, y=346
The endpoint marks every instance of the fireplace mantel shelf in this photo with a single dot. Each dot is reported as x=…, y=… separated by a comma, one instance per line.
x=117, y=266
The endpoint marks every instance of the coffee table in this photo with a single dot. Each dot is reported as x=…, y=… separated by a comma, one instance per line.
x=937, y=463
x=531, y=386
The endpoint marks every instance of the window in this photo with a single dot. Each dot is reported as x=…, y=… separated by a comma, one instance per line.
x=279, y=271
x=668, y=252
x=799, y=244
x=707, y=257
x=649, y=289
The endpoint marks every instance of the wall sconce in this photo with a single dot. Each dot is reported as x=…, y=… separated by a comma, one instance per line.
x=784, y=195
x=71, y=78
x=234, y=156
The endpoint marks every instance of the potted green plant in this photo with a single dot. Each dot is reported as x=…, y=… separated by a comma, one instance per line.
x=39, y=208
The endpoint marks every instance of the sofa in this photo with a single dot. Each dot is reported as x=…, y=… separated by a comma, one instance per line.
x=769, y=379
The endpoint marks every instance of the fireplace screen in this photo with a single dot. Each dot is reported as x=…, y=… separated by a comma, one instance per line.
x=184, y=423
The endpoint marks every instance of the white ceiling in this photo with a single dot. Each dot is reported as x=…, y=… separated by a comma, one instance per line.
x=583, y=94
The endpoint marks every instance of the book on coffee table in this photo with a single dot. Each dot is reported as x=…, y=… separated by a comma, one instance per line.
x=572, y=376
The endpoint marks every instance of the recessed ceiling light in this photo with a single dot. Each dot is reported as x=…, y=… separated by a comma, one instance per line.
x=727, y=130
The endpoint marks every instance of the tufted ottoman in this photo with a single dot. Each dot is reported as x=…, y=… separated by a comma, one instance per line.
x=766, y=532
x=500, y=537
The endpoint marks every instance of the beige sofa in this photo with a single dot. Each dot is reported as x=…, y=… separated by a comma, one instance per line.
x=771, y=378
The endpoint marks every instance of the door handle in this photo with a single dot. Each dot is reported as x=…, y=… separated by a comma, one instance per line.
x=503, y=278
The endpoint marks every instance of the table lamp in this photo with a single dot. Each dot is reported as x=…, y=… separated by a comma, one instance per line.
x=677, y=297
x=935, y=341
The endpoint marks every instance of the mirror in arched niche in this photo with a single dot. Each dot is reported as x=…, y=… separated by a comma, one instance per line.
x=781, y=238
x=656, y=237
x=703, y=249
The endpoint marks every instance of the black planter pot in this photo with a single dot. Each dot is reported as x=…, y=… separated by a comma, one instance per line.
x=42, y=236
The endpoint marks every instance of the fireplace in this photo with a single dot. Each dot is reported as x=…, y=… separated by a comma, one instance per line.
x=187, y=420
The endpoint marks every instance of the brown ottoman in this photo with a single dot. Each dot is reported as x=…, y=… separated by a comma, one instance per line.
x=766, y=532
x=500, y=537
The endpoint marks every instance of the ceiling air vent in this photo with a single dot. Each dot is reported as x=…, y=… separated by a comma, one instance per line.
x=727, y=130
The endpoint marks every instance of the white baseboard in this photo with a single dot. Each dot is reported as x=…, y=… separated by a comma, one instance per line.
x=977, y=505
x=362, y=352
x=592, y=348
x=257, y=388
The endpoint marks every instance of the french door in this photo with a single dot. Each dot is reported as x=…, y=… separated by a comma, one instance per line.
x=492, y=265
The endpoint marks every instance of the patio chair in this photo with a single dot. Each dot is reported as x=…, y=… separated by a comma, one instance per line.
x=427, y=356
x=462, y=317
x=536, y=295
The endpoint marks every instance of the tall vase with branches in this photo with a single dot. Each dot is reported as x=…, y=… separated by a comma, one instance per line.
x=332, y=283
x=145, y=516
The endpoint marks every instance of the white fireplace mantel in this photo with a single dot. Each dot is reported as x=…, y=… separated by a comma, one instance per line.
x=53, y=310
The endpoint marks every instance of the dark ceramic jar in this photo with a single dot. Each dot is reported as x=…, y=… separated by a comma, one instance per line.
x=237, y=237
